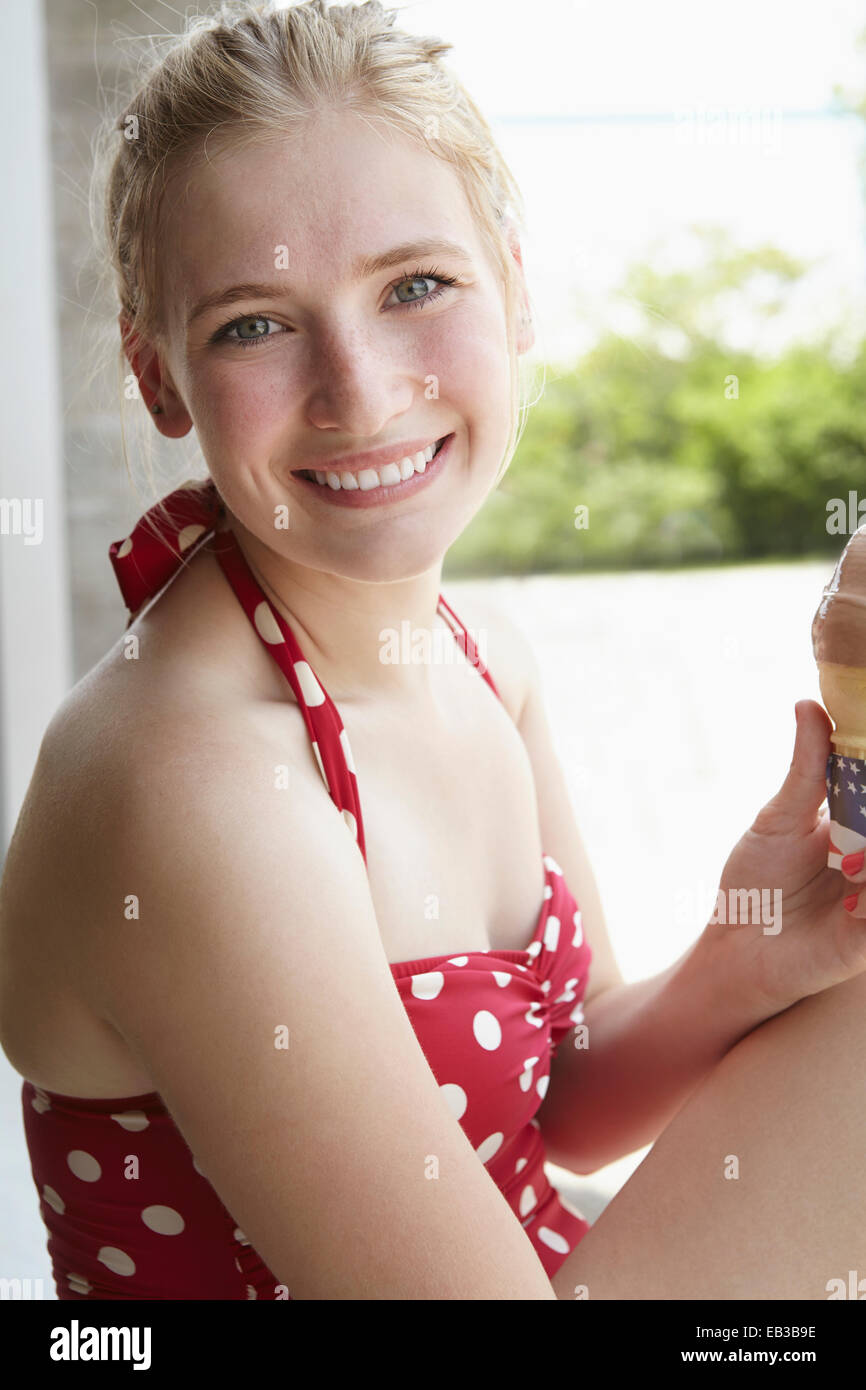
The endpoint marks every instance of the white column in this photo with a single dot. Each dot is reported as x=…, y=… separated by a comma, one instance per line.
x=35, y=651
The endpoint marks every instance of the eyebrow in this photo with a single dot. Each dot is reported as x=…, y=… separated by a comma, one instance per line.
x=362, y=269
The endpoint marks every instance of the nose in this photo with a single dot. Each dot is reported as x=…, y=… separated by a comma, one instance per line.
x=358, y=382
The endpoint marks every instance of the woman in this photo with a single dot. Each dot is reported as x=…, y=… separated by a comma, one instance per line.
x=273, y=1047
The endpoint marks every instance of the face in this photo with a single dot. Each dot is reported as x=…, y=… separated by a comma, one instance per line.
x=333, y=360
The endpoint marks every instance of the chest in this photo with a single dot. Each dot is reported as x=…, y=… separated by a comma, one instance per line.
x=451, y=827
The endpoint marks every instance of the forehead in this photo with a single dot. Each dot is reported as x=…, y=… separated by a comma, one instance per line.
x=336, y=189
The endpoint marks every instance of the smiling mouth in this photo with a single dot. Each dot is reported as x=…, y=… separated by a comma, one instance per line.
x=366, y=479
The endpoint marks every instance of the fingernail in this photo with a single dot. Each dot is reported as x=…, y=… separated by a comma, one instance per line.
x=851, y=903
x=853, y=863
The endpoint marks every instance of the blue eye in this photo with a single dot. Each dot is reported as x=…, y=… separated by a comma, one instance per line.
x=225, y=331
x=415, y=277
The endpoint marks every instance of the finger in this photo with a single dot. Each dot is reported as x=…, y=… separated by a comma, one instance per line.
x=855, y=906
x=853, y=866
x=795, y=807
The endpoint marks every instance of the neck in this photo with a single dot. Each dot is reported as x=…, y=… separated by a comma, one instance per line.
x=366, y=641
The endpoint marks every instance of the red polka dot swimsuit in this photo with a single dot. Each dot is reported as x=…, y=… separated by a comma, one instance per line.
x=129, y=1212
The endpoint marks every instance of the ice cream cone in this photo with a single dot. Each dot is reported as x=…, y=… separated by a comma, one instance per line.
x=839, y=645
x=843, y=690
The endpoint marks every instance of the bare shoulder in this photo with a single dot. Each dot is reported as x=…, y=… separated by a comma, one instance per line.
x=129, y=740
x=134, y=741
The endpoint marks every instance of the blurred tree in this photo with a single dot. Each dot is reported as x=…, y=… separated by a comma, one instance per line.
x=683, y=449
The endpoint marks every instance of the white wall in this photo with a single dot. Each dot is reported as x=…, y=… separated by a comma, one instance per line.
x=35, y=657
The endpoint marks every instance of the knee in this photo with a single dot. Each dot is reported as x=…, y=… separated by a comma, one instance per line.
x=817, y=1031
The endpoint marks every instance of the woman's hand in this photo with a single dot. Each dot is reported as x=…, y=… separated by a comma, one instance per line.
x=814, y=942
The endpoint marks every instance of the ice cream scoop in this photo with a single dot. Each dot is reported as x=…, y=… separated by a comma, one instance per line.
x=839, y=645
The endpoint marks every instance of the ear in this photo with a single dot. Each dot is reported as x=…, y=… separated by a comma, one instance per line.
x=154, y=382
x=525, y=327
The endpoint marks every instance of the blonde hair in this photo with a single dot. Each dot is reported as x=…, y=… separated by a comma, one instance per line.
x=240, y=72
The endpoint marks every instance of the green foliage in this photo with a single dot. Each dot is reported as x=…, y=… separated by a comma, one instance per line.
x=676, y=462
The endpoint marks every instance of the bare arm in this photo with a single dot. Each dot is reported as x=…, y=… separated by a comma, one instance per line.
x=256, y=917
x=649, y=1042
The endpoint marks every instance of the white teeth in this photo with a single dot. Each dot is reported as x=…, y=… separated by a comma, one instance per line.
x=384, y=477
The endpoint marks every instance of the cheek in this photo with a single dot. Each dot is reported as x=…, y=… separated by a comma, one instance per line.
x=468, y=353
x=232, y=401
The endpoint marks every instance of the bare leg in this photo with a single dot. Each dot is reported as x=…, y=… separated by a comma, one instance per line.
x=788, y=1103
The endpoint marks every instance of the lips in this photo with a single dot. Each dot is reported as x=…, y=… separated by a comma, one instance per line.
x=383, y=493
x=337, y=467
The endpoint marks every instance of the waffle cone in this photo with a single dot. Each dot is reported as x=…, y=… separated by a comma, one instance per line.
x=843, y=690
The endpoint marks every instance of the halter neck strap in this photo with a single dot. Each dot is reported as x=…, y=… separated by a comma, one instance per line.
x=162, y=540
x=174, y=529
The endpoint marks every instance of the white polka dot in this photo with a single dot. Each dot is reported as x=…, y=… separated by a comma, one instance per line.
x=553, y=1239
x=527, y=1200
x=551, y=933
x=458, y=960
x=545, y=986
x=164, y=1220
x=266, y=624
x=54, y=1200
x=40, y=1102
x=576, y=1014
x=455, y=1098
x=347, y=751
x=116, y=1260
x=577, y=940
x=188, y=535
x=319, y=761
x=525, y=1078
x=251, y=1293
x=239, y=1235
x=502, y=978
x=124, y=549
x=542, y=1084
x=531, y=1014
x=312, y=692
x=350, y=821
x=133, y=1120
x=548, y=892
x=535, y=1124
x=551, y=864
x=490, y=1146
x=84, y=1165
x=427, y=985
x=568, y=993
x=78, y=1283
x=533, y=949
x=520, y=1165
x=488, y=1033
x=238, y=1266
